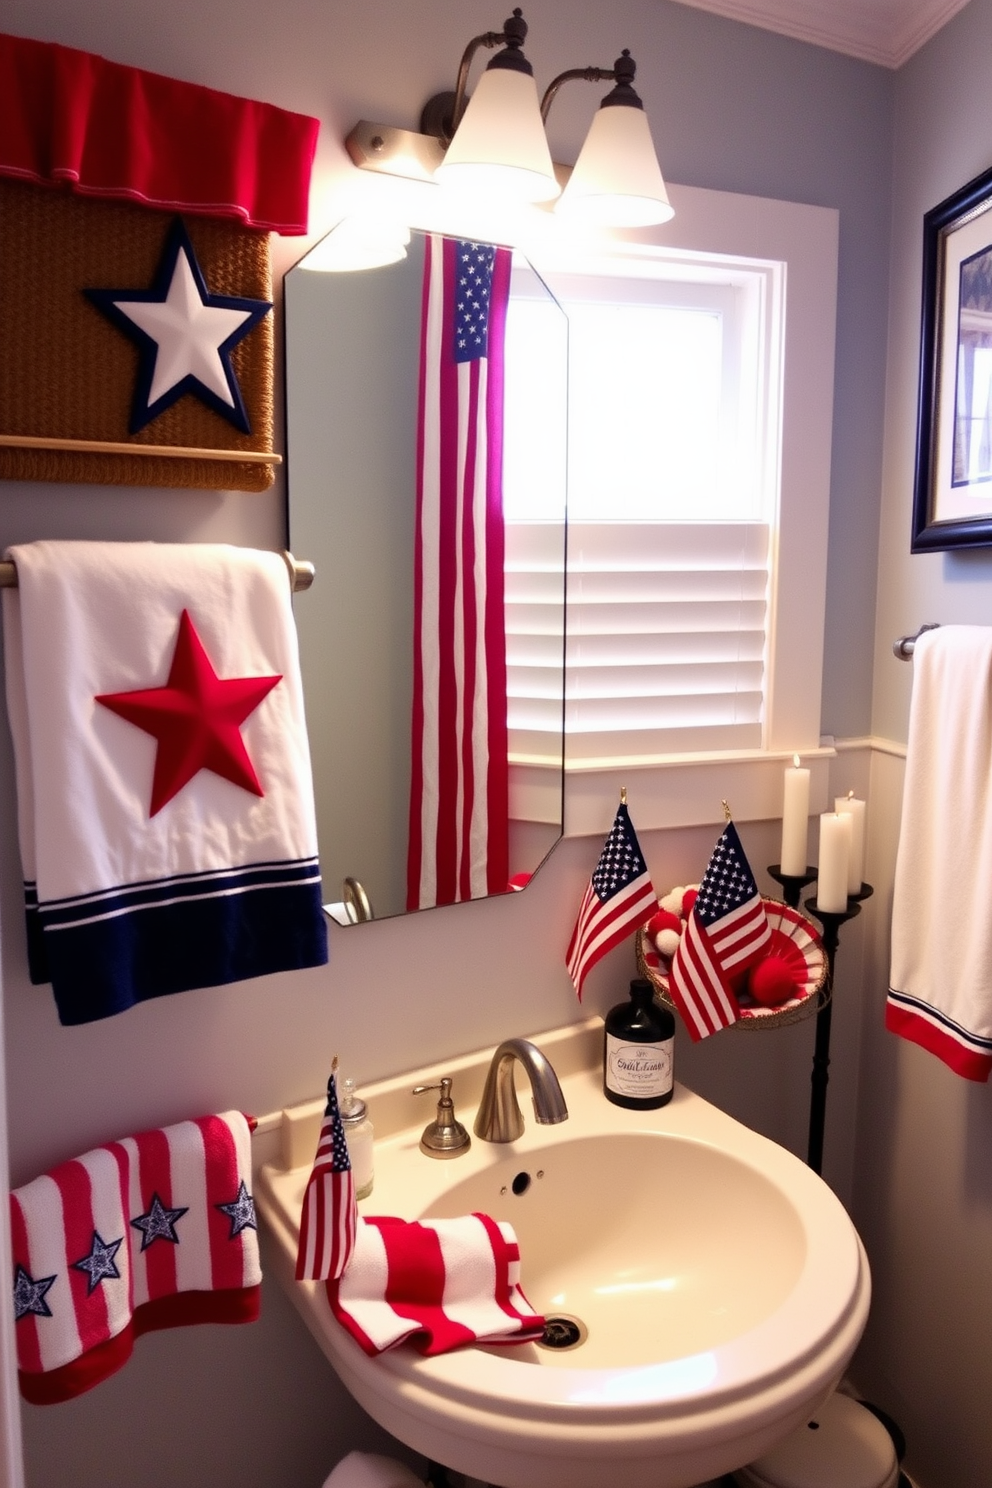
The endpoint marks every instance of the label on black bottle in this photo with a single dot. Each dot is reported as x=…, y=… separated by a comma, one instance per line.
x=643, y=1071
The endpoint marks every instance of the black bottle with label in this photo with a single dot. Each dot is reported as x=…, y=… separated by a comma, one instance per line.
x=638, y=1051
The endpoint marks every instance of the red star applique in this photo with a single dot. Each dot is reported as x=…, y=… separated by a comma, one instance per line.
x=196, y=719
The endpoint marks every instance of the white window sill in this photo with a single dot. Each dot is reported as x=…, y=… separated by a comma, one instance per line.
x=678, y=791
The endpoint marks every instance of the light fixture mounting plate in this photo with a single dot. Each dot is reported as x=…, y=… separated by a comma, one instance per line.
x=394, y=152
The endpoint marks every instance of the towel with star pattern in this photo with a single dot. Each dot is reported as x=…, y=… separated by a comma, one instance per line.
x=165, y=800
x=153, y=1231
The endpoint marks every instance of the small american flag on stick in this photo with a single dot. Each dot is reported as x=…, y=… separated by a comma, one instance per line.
x=619, y=898
x=330, y=1214
x=726, y=933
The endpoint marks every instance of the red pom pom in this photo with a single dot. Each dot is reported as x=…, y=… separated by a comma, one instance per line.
x=688, y=900
x=662, y=920
x=772, y=982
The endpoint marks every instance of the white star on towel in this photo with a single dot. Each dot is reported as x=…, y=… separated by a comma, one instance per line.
x=189, y=334
x=99, y=1265
x=240, y=1211
x=158, y=1223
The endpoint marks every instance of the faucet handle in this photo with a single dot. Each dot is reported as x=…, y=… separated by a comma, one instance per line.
x=444, y=1136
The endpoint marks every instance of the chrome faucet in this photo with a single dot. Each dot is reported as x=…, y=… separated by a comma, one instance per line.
x=499, y=1118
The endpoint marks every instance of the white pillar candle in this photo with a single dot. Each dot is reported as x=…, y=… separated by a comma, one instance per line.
x=795, y=821
x=835, y=852
x=853, y=807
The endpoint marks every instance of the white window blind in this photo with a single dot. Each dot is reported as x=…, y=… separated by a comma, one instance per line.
x=666, y=639
x=671, y=438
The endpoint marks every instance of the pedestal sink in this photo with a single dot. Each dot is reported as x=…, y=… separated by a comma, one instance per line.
x=717, y=1286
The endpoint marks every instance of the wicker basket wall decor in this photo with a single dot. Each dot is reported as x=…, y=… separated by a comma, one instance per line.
x=794, y=938
x=67, y=375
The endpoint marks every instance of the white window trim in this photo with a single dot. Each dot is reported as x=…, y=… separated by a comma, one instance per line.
x=688, y=791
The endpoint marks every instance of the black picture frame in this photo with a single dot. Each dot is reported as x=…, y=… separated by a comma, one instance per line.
x=952, y=496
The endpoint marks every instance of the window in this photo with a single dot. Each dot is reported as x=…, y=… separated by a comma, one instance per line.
x=698, y=430
x=672, y=427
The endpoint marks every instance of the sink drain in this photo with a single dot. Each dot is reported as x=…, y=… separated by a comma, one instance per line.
x=562, y=1332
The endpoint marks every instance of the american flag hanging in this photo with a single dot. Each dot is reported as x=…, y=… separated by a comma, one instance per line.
x=619, y=898
x=330, y=1214
x=726, y=933
x=458, y=847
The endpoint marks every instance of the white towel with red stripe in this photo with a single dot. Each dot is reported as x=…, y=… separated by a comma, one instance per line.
x=940, y=979
x=441, y=1283
x=153, y=1231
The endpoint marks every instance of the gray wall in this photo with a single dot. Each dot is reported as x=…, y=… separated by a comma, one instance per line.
x=924, y=1161
x=732, y=108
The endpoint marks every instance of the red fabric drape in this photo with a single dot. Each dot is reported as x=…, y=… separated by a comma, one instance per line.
x=70, y=118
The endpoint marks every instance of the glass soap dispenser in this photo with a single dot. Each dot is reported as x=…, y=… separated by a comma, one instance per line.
x=359, y=1135
x=638, y=1051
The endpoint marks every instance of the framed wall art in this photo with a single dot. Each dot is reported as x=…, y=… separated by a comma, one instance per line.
x=952, y=499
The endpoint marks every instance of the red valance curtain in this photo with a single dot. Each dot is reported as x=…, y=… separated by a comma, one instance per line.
x=70, y=118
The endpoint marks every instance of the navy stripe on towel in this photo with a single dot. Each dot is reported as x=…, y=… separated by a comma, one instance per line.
x=107, y=952
x=37, y=957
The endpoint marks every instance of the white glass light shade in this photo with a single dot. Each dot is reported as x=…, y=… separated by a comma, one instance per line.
x=358, y=243
x=617, y=180
x=499, y=147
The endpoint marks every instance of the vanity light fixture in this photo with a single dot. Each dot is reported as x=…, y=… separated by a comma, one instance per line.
x=498, y=142
x=616, y=181
x=493, y=144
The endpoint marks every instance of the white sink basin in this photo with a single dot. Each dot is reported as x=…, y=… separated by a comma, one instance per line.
x=629, y=1233
x=720, y=1285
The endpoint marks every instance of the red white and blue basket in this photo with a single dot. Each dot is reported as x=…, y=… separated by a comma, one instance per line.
x=794, y=939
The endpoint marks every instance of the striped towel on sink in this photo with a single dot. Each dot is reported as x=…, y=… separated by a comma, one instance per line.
x=441, y=1283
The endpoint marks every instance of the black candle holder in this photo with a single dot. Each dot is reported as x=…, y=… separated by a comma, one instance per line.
x=792, y=887
x=831, y=920
x=792, y=883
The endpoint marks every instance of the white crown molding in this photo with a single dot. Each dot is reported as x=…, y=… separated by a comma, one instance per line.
x=887, y=32
x=920, y=20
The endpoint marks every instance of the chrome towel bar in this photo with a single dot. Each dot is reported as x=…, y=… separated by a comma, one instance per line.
x=904, y=646
x=300, y=571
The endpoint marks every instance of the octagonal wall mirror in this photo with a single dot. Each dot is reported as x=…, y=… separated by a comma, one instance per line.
x=355, y=344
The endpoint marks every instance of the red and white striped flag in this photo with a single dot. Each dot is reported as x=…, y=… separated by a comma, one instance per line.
x=619, y=898
x=459, y=811
x=330, y=1213
x=726, y=932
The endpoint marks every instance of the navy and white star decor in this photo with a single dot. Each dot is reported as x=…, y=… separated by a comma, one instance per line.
x=185, y=335
x=240, y=1211
x=728, y=882
x=158, y=1223
x=29, y=1295
x=99, y=1265
x=473, y=286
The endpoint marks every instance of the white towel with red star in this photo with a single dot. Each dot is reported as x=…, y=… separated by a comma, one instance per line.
x=165, y=801
x=153, y=1231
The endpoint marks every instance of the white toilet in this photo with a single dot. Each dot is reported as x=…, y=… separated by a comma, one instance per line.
x=843, y=1446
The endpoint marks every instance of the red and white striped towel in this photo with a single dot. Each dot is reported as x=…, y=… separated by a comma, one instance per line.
x=152, y=1231
x=441, y=1283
